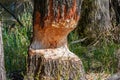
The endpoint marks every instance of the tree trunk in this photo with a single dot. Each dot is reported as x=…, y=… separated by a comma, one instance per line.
x=95, y=19
x=49, y=57
x=2, y=68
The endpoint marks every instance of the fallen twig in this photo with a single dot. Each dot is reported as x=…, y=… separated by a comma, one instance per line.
x=78, y=41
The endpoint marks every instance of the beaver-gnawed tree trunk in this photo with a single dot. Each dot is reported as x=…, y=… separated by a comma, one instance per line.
x=49, y=57
x=2, y=68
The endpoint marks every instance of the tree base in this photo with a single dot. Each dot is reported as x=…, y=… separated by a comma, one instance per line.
x=54, y=64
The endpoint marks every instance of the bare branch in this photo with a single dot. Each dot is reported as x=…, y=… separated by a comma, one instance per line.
x=11, y=14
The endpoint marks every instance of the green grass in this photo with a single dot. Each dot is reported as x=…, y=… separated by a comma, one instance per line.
x=17, y=39
x=16, y=42
x=15, y=48
x=95, y=58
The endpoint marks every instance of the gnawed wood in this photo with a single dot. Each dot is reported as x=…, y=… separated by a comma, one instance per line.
x=50, y=29
x=53, y=35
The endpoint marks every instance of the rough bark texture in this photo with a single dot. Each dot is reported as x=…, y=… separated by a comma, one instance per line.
x=2, y=68
x=55, y=64
x=49, y=57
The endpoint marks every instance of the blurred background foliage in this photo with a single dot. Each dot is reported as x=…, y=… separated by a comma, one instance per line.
x=95, y=40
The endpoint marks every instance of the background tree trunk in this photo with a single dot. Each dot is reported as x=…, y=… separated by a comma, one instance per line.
x=2, y=68
x=49, y=57
x=95, y=20
x=116, y=6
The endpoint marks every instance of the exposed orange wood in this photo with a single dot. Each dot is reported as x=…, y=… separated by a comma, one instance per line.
x=51, y=31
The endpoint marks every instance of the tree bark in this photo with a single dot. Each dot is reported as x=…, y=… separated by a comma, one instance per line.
x=49, y=57
x=2, y=68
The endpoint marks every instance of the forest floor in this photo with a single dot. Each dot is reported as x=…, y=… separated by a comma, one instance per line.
x=97, y=76
x=89, y=76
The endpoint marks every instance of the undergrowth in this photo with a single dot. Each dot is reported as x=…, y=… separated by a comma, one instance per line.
x=99, y=58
